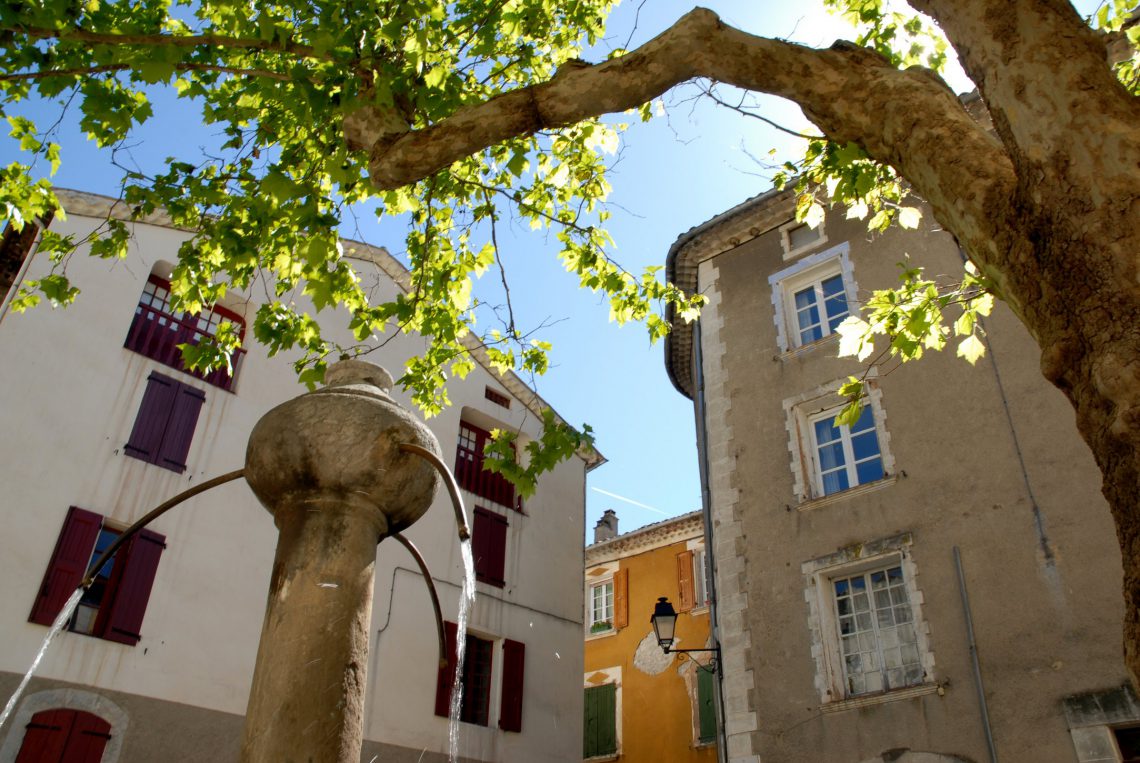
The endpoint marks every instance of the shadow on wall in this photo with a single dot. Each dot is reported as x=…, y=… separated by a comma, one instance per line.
x=904, y=755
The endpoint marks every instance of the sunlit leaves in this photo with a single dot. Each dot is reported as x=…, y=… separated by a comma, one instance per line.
x=558, y=442
x=913, y=318
x=904, y=40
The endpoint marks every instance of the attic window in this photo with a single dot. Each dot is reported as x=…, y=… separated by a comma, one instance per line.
x=497, y=398
x=799, y=238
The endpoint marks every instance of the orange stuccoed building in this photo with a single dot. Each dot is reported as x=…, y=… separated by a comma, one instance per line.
x=642, y=704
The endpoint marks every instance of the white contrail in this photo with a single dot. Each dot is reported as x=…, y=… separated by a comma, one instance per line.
x=630, y=500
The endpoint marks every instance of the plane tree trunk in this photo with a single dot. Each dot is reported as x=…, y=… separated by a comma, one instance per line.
x=1049, y=209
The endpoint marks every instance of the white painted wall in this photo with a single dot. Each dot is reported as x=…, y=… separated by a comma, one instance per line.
x=71, y=395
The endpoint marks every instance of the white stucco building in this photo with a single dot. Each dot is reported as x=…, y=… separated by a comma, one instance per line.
x=101, y=425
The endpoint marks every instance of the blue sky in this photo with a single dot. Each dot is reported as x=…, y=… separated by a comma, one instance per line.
x=673, y=173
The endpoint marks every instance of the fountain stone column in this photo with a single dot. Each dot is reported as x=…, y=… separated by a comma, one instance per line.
x=328, y=467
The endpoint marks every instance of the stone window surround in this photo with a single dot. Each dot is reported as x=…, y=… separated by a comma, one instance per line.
x=829, y=262
x=786, y=238
x=822, y=620
x=69, y=699
x=701, y=577
x=800, y=409
x=1091, y=718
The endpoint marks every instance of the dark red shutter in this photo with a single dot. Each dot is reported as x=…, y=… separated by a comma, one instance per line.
x=46, y=737
x=135, y=570
x=445, y=680
x=489, y=546
x=153, y=416
x=180, y=430
x=68, y=564
x=89, y=735
x=514, y=661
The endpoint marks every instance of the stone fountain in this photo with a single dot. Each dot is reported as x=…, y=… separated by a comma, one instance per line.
x=330, y=468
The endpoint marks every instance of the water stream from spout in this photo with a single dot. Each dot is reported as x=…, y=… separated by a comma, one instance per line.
x=61, y=621
x=466, y=599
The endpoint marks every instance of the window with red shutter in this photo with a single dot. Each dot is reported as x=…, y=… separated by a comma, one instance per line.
x=510, y=708
x=64, y=736
x=471, y=475
x=113, y=606
x=157, y=332
x=475, y=679
x=489, y=546
x=164, y=426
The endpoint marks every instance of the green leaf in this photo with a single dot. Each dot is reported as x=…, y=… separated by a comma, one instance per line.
x=971, y=348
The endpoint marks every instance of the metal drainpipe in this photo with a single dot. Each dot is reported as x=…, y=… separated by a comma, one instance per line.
x=974, y=657
x=706, y=516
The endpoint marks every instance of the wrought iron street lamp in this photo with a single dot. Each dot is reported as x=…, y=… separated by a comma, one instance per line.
x=664, y=621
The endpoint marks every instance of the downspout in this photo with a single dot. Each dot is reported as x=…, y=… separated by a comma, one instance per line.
x=974, y=657
x=706, y=516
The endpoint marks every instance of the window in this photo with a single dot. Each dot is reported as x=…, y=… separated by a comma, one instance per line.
x=156, y=332
x=602, y=607
x=797, y=238
x=64, y=736
x=469, y=472
x=1128, y=740
x=812, y=297
x=607, y=599
x=819, y=308
x=700, y=578
x=845, y=456
x=489, y=546
x=113, y=607
x=877, y=638
x=164, y=426
x=600, y=733
x=869, y=640
x=477, y=680
x=706, y=707
x=496, y=397
x=828, y=460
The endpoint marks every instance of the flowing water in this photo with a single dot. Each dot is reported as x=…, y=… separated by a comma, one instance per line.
x=466, y=599
x=60, y=623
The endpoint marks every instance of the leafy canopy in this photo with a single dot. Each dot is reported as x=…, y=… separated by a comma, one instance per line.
x=279, y=80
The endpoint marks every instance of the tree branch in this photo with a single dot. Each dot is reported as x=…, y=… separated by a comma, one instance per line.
x=907, y=118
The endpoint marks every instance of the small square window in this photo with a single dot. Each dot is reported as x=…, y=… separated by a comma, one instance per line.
x=1128, y=740
x=799, y=238
x=811, y=298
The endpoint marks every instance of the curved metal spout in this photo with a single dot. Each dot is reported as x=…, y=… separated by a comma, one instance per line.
x=449, y=480
x=152, y=515
x=415, y=552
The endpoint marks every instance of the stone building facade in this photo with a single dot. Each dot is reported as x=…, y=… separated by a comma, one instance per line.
x=848, y=561
x=641, y=704
x=102, y=423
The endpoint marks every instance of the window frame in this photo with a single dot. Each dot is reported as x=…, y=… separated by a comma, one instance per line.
x=122, y=607
x=505, y=679
x=155, y=332
x=850, y=465
x=801, y=411
x=472, y=477
x=591, y=612
x=811, y=271
x=791, y=252
x=824, y=620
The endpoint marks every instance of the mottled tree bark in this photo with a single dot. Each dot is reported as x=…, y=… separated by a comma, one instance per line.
x=1049, y=209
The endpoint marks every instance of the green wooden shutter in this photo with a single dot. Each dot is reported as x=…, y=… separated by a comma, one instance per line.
x=705, y=707
x=600, y=728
